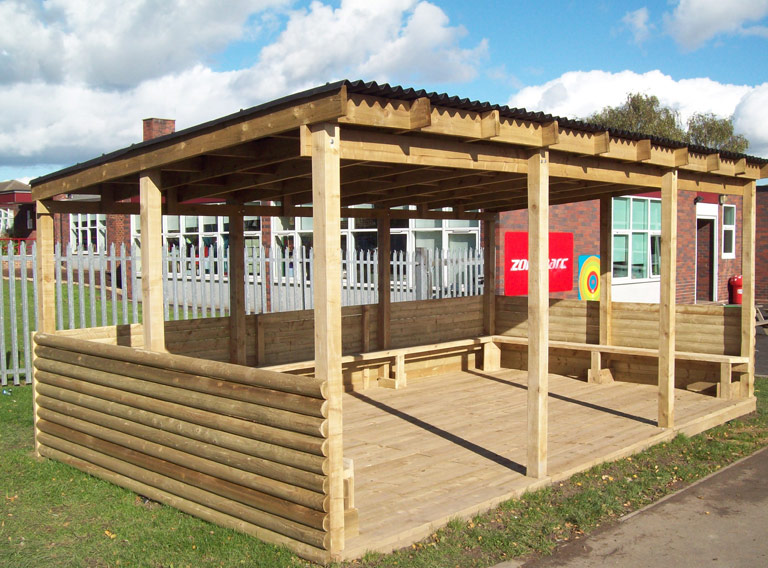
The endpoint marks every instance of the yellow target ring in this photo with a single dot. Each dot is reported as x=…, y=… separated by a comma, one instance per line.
x=589, y=279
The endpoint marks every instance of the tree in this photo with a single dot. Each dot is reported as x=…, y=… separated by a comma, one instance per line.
x=713, y=132
x=644, y=114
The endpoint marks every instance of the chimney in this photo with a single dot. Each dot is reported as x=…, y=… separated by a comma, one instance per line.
x=156, y=127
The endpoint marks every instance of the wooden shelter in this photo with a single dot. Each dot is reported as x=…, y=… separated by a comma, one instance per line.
x=187, y=413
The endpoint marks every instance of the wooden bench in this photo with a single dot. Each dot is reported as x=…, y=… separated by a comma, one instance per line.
x=728, y=363
x=393, y=359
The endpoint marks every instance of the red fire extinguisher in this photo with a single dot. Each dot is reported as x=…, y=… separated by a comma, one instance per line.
x=734, y=289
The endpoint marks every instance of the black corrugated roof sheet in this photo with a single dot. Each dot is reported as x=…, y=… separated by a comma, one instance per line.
x=385, y=90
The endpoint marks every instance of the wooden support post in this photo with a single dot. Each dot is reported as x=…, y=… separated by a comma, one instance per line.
x=326, y=191
x=261, y=357
x=748, y=214
x=667, y=300
x=152, y=261
x=46, y=293
x=606, y=270
x=726, y=372
x=538, y=312
x=383, y=227
x=365, y=334
x=236, y=271
x=489, y=277
x=593, y=375
x=491, y=356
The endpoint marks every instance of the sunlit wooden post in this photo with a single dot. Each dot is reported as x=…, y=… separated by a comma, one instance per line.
x=152, y=261
x=538, y=312
x=667, y=300
x=748, y=215
x=326, y=189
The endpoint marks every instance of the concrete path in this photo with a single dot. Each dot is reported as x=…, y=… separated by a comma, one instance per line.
x=721, y=520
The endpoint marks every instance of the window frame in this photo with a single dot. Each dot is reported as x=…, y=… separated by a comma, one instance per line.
x=728, y=227
x=630, y=233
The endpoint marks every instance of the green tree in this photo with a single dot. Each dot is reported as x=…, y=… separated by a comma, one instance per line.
x=708, y=130
x=644, y=114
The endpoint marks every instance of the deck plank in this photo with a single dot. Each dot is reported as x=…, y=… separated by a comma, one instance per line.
x=454, y=445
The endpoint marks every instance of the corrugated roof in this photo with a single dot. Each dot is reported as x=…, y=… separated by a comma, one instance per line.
x=385, y=90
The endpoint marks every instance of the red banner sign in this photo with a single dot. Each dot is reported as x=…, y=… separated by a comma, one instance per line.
x=516, y=262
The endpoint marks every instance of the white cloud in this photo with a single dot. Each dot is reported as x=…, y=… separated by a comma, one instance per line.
x=578, y=94
x=113, y=43
x=78, y=81
x=694, y=22
x=637, y=22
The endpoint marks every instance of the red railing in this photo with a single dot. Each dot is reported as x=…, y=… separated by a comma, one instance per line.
x=14, y=245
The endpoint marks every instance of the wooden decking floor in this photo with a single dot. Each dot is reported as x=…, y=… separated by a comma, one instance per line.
x=454, y=445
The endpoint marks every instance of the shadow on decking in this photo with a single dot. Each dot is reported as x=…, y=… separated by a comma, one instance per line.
x=583, y=403
x=453, y=438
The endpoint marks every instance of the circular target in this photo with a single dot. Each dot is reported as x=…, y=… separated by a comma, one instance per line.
x=589, y=278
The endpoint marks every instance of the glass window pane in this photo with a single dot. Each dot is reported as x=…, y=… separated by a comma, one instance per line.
x=620, y=256
x=429, y=239
x=285, y=223
x=306, y=223
x=621, y=213
x=462, y=242
x=729, y=215
x=655, y=215
x=655, y=255
x=252, y=223
x=365, y=240
x=210, y=224
x=398, y=242
x=251, y=242
x=639, y=255
x=639, y=214
x=171, y=224
x=427, y=223
x=398, y=223
x=461, y=223
x=728, y=241
x=191, y=224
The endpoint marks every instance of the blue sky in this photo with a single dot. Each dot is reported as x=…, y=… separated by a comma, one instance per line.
x=77, y=81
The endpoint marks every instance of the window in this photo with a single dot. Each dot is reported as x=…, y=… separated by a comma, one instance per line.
x=6, y=221
x=729, y=231
x=636, y=238
x=88, y=232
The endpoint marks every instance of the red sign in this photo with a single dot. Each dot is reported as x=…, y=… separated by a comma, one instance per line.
x=516, y=262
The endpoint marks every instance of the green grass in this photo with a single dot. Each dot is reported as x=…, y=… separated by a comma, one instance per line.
x=53, y=515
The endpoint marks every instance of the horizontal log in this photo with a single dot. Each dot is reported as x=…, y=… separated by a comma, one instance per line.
x=250, y=469
x=249, y=376
x=236, y=391
x=133, y=464
x=206, y=474
x=304, y=550
x=269, y=416
x=205, y=419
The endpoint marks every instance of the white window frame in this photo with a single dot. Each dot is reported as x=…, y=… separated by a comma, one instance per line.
x=6, y=220
x=79, y=222
x=648, y=231
x=728, y=228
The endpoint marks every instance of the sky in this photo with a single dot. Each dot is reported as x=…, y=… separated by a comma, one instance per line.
x=77, y=77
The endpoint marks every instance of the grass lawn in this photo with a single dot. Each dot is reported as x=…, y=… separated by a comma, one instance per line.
x=53, y=515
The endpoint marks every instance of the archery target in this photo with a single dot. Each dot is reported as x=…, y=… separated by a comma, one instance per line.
x=589, y=277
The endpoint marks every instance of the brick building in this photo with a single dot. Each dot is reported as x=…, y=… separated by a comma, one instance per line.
x=708, y=252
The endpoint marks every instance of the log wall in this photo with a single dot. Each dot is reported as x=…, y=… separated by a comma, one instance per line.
x=288, y=337
x=700, y=329
x=242, y=447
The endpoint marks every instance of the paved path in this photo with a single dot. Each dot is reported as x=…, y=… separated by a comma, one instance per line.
x=721, y=520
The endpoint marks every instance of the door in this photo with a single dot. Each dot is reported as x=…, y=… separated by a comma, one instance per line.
x=705, y=262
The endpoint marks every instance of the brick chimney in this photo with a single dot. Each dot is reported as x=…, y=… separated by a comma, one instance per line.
x=156, y=127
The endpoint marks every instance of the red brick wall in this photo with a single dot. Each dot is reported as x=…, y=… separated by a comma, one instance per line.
x=583, y=220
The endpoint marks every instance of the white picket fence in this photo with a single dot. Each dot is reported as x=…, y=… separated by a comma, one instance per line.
x=104, y=288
